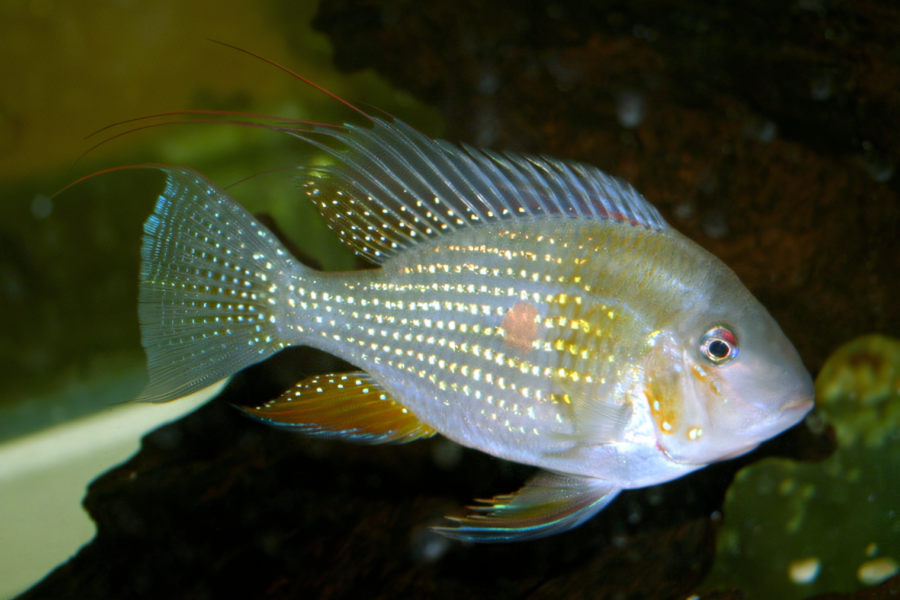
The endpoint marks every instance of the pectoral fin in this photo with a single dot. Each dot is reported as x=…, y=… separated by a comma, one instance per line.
x=349, y=406
x=548, y=503
x=597, y=419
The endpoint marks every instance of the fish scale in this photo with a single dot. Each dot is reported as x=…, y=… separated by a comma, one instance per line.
x=534, y=309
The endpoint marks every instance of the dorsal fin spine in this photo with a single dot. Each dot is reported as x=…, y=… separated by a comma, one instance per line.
x=391, y=187
x=575, y=187
x=514, y=178
x=422, y=144
x=425, y=145
x=586, y=179
x=484, y=159
x=411, y=170
x=362, y=176
x=528, y=166
x=467, y=195
x=425, y=197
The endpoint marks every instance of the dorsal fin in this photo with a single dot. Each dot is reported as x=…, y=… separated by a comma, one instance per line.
x=390, y=187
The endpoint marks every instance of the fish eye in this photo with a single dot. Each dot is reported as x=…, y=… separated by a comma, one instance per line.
x=719, y=344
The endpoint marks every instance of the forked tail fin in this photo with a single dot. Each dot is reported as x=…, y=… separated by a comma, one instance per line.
x=213, y=288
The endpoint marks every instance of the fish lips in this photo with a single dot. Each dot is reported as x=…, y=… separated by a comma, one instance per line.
x=789, y=414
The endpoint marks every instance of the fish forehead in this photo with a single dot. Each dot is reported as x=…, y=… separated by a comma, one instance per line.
x=474, y=333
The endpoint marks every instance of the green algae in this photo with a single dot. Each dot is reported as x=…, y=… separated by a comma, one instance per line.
x=858, y=389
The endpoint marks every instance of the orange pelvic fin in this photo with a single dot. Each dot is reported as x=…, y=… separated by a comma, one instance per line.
x=349, y=406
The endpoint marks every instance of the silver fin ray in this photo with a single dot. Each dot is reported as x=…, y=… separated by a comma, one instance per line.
x=209, y=282
x=390, y=187
x=549, y=503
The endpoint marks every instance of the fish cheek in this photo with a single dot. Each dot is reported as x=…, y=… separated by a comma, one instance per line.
x=520, y=326
x=676, y=411
x=662, y=395
x=725, y=409
x=708, y=387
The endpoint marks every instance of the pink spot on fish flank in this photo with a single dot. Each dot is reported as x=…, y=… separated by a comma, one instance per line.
x=520, y=326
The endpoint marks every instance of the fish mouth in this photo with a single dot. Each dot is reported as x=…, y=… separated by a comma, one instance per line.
x=788, y=415
x=801, y=405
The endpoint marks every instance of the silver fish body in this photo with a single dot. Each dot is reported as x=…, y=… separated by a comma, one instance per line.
x=537, y=310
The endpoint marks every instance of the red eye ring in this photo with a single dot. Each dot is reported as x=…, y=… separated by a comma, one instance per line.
x=719, y=344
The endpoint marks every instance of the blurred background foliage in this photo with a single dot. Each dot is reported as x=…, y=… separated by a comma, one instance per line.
x=68, y=265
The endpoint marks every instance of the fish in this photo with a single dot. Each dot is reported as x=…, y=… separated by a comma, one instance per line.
x=535, y=309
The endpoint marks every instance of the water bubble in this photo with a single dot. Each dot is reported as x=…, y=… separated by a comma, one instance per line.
x=41, y=206
x=630, y=109
x=428, y=546
x=877, y=165
x=446, y=454
x=715, y=225
x=645, y=33
x=820, y=87
x=873, y=572
x=761, y=130
x=684, y=210
x=804, y=570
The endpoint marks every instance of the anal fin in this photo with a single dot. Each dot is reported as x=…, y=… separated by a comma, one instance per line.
x=348, y=406
x=549, y=503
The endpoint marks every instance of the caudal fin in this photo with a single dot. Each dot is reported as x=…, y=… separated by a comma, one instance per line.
x=213, y=287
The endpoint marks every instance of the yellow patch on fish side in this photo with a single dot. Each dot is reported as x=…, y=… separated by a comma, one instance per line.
x=662, y=410
x=708, y=379
x=520, y=326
